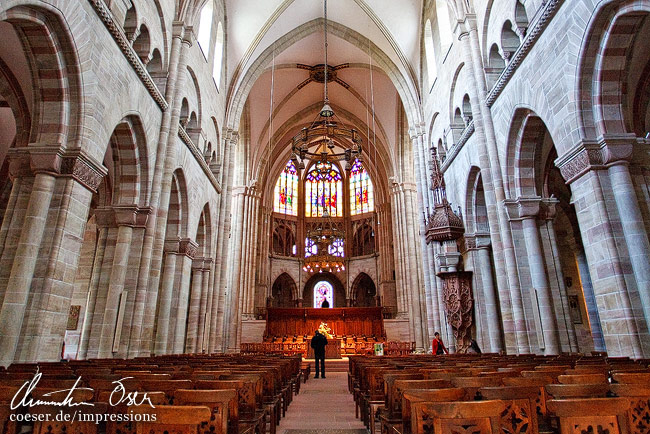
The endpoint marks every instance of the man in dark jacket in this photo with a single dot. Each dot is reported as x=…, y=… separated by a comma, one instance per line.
x=318, y=343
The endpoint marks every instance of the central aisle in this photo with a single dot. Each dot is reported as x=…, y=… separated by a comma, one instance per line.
x=322, y=404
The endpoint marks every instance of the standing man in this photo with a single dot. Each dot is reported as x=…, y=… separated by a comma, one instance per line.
x=318, y=343
x=437, y=346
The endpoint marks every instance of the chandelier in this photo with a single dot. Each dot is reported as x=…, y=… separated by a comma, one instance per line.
x=319, y=139
x=325, y=247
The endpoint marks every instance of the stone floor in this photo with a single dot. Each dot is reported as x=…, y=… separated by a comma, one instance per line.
x=323, y=406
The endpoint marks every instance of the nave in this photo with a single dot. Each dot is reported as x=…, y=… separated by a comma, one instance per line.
x=413, y=394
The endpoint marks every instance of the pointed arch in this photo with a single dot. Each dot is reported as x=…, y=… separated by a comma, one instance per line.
x=323, y=190
x=285, y=199
x=242, y=84
x=362, y=197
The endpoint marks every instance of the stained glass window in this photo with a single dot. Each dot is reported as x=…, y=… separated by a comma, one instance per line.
x=310, y=247
x=323, y=291
x=336, y=248
x=362, y=198
x=286, y=191
x=323, y=190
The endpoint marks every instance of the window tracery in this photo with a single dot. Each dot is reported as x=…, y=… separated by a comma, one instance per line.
x=286, y=191
x=323, y=190
x=362, y=197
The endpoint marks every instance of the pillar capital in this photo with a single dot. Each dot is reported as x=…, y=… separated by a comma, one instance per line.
x=187, y=247
x=476, y=241
x=201, y=264
x=598, y=154
x=523, y=208
x=38, y=158
x=105, y=217
x=131, y=215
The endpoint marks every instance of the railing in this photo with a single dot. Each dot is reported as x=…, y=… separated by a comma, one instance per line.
x=455, y=149
x=182, y=133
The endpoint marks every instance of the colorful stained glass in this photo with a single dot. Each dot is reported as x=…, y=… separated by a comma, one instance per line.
x=362, y=198
x=323, y=291
x=323, y=190
x=310, y=247
x=336, y=248
x=286, y=191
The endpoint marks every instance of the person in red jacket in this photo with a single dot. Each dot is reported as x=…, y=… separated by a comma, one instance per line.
x=437, y=346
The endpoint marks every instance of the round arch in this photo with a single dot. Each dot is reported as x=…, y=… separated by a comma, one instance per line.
x=308, y=291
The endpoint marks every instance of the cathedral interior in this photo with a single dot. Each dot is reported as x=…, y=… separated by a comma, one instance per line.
x=177, y=173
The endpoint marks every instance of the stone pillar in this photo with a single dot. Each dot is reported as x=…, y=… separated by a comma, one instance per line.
x=165, y=159
x=187, y=251
x=195, y=306
x=582, y=167
x=223, y=269
x=23, y=179
x=590, y=299
x=204, y=322
x=22, y=271
x=479, y=246
x=165, y=297
x=560, y=297
x=619, y=151
x=125, y=220
x=512, y=310
x=527, y=210
x=92, y=291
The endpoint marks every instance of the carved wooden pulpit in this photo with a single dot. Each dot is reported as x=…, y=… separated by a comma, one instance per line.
x=459, y=303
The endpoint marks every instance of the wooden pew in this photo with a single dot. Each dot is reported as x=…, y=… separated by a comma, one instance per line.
x=482, y=417
x=170, y=419
x=591, y=415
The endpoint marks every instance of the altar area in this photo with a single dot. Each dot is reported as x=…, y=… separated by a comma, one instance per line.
x=354, y=330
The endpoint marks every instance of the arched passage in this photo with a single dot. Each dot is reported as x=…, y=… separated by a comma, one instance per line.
x=337, y=286
x=364, y=291
x=284, y=292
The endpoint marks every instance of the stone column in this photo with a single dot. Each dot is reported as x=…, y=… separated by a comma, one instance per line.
x=480, y=246
x=560, y=297
x=223, y=269
x=512, y=310
x=541, y=295
x=165, y=297
x=82, y=353
x=187, y=250
x=23, y=179
x=204, y=322
x=195, y=306
x=22, y=271
x=590, y=299
x=165, y=159
x=582, y=168
x=125, y=218
x=619, y=151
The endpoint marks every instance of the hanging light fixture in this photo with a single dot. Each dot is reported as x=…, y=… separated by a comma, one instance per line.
x=325, y=254
x=319, y=140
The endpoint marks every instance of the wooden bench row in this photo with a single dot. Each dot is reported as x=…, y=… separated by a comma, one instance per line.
x=491, y=393
x=242, y=394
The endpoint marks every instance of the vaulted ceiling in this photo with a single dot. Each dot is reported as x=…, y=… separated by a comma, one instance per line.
x=273, y=43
